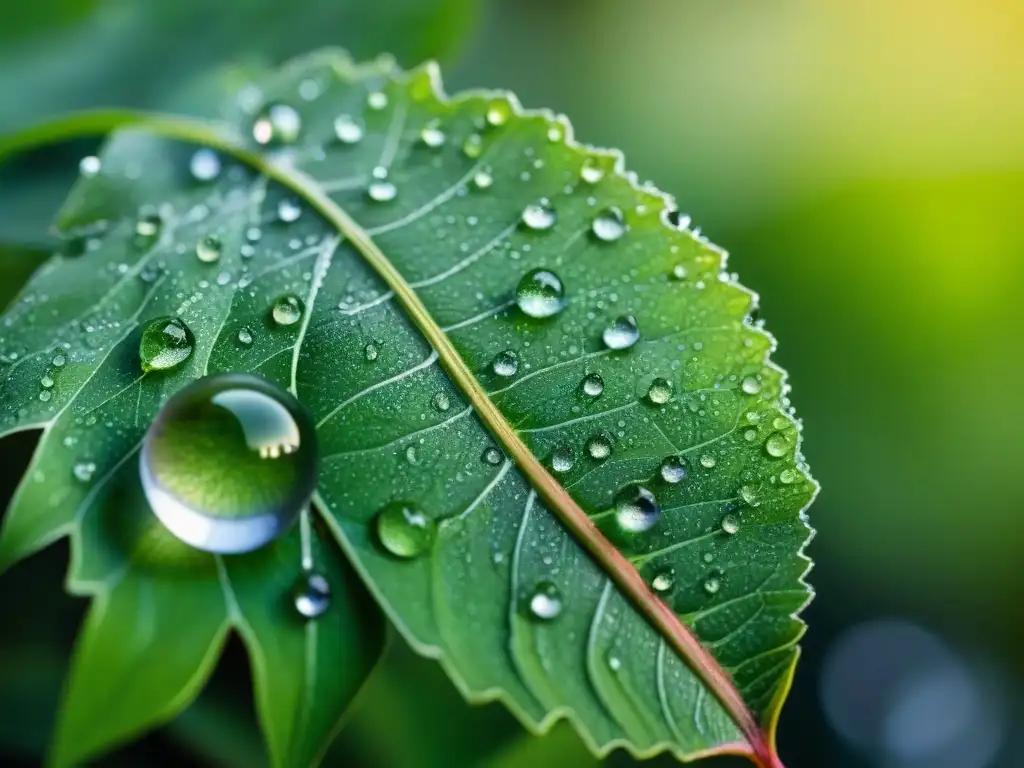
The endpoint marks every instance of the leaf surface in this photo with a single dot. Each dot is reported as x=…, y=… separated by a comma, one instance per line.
x=406, y=221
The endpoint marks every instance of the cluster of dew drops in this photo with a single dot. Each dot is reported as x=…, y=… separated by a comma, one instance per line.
x=401, y=529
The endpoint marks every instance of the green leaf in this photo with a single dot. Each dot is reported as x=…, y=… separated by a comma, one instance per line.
x=405, y=221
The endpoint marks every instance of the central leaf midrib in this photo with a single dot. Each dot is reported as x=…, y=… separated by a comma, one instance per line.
x=619, y=569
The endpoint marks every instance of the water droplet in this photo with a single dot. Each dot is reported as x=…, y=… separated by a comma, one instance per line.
x=660, y=391
x=83, y=470
x=432, y=135
x=750, y=435
x=482, y=179
x=622, y=334
x=348, y=130
x=229, y=463
x=209, y=248
x=777, y=445
x=45, y=395
x=593, y=385
x=563, y=459
x=149, y=225
x=245, y=337
x=730, y=524
x=675, y=219
x=506, y=363
x=311, y=595
x=276, y=124
x=382, y=191
x=46, y=381
x=540, y=293
x=749, y=495
x=166, y=343
x=663, y=580
x=779, y=422
x=473, y=146
x=204, y=165
x=498, y=112
x=287, y=309
x=708, y=557
x=370, y=351
x=410, y=455
x=89, y=166
x=288, y=210
x=712, y=585
x=678, y=272
x=636, y=509
x=592, y=170
x=377, y=100
x=788, y=476
x=539, y=216
x=708, y=461
x=673, y=470
x=404, y=531
x=58, y=360
x=492, y=456
x=750, y=385
x=609, y=225
x=599, y=446
x=545, y=601
x=442, y=402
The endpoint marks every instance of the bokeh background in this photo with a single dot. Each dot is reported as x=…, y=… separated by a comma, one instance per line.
x=862, y=162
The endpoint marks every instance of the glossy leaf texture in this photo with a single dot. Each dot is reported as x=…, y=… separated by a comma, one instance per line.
x=503, y=337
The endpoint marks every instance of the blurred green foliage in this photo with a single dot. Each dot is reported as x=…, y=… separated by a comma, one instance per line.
x=863, y=164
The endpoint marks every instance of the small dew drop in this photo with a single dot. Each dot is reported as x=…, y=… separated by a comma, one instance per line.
x=311, y=595
x=660, y=391
x=432, y=135
x=593, y=385
x=540, y=293
x=777, y=445
x=609, y=225
x=347, y=130
x=204, y=165
x=599, y=446
x=473, y=146
x=678, y=272
x=404, y=531
x=712, y=585
x=622, y=334
x=663, y=580
x=675, y=219
x=288, y=210
x=545, y=602
x=750, y=385
x=498, y=113
x=89, y=166
x=377, y=100
x=442, y=402
x=166, y=343
x=614, y=663
x=83, y=470
x=245, y=337
x=492, y=456
x=539, y=216
x=45, y=395
x=788, y=476
x=563, y=459
x=46, y=382
x=673, y=470
x=708, y=461
x=59, y=361
x=287, y=310
x=209, y=248
x=730, y=524
x=749, y=495
x=636, y=509
x=382, y=191
x=149, y=225
x=371, y=351
x=592, y=171
x=277, y=124
x=506, y=363
x=483, y=179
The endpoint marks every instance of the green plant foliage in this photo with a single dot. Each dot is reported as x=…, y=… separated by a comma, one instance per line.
x=533, y=386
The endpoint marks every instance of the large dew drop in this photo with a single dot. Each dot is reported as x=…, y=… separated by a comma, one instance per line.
x=609, y=225
x=636, y=509
x=540, y=293
x=505, y=364
x=540, y=215
x=404, y=531
x=622, y=334
x=287, y=309
x=229, y=463
x=166, y=343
